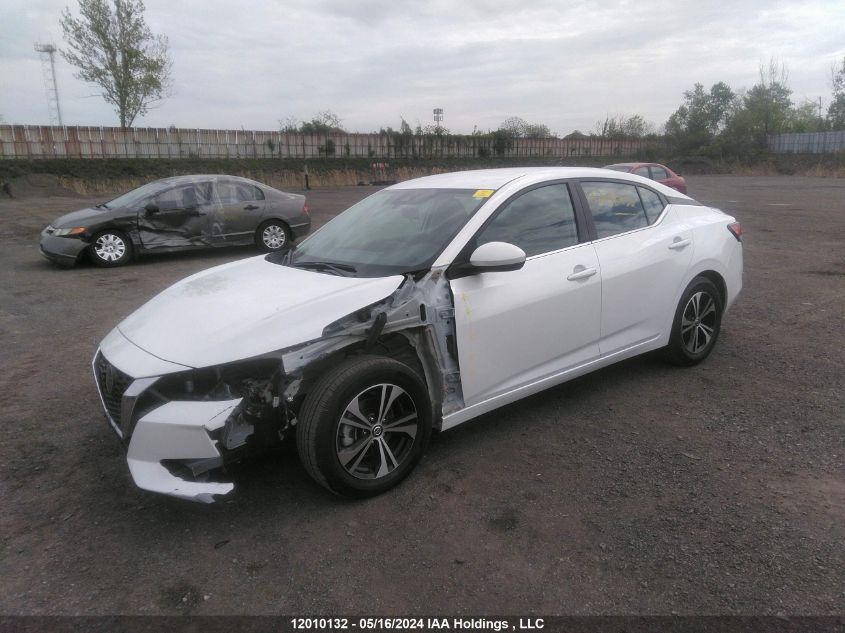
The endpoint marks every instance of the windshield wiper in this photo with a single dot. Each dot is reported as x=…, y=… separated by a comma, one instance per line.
x=102, y=205
x=339, y=269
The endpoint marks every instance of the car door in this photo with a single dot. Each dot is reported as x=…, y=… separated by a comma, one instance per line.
x=178, y=218
x=237, y=211
x=515, y=328
x=644, y=256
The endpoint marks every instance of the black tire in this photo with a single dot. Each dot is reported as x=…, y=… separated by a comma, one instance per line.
x=347, y=456
x=272, y=236
x=698, y=320
x=110, y=248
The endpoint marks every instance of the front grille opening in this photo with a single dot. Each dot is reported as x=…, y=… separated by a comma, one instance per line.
x=112, y=384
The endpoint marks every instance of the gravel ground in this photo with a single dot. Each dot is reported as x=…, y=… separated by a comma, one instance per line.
x=639, y=489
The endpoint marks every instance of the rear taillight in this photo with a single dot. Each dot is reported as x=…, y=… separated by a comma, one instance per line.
x=306, y=209
x=736, y=230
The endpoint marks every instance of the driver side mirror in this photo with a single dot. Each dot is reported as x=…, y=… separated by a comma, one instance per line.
x=489, y=258
x=497, y=257
x=151, y=208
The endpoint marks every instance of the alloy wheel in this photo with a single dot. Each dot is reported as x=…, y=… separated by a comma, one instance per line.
x=376, y=432
x=698, y=322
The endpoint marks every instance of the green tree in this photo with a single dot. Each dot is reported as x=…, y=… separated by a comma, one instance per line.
x=513, y=126
x=621, y=126
x=695, y=124
x=836, y=109
x=636, y=127
x=537, y=130
x=111, y=46
x=805, y=118
x=768, y=105
x=325, y=122
x=517, y=127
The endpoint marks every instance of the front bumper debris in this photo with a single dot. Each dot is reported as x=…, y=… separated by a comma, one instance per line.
x=178, y=430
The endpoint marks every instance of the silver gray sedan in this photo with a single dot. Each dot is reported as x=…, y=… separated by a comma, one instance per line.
x=180, y=213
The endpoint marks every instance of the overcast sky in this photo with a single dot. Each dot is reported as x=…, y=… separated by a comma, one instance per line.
x=244, y=63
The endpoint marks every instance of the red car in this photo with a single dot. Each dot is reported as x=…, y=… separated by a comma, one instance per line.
x=654, y=171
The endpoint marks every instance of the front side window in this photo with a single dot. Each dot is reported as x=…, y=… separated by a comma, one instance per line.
x=539, y=221
x=183, y=197
x=615, y=207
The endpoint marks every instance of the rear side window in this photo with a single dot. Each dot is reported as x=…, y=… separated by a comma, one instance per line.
x=235, y=192
x=642, y=171
x=539, y=221
x=652, y=203
x=658, y=173
x=615, y=207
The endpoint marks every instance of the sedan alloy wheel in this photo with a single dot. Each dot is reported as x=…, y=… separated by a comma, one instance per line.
x=376, y=431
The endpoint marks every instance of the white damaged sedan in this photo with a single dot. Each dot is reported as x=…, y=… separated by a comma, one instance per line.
x=423, y=306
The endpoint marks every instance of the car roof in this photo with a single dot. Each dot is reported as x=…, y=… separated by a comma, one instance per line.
x=179, y=180
x=496, y=178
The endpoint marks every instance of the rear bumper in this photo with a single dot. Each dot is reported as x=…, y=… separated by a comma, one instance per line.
x=301, y=230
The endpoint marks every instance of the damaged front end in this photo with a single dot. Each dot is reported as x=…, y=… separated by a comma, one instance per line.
x=182, y=427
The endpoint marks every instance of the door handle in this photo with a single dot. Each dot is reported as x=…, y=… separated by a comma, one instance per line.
x=251, y=207
x=580, y=272
x=679, y=243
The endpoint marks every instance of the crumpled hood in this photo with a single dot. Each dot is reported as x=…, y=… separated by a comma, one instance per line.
x=246, y=308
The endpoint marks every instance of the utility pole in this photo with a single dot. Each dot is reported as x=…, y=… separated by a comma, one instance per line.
x=438, y=117
x=48, y=72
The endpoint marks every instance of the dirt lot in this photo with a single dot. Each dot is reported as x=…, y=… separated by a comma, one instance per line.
x=639, y=489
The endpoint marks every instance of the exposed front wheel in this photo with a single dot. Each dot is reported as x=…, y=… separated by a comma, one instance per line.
x=364, y=426
x=110, y=248
x=272, y=236
x=698, y=320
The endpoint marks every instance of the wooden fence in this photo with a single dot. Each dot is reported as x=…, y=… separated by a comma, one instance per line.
x=35, y=142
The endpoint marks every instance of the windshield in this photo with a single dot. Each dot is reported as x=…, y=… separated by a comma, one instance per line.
x=136, y=195
x=390, y=232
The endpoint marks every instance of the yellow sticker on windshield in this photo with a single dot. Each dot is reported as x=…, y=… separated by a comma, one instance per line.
x=483, y=193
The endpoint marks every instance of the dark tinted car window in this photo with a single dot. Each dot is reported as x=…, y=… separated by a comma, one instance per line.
x=652, y=203
x=539, y=221
x=616, y=207
x=658, y=173
x=183, y=197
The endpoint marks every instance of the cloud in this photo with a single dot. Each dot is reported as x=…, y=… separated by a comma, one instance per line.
x=565, y=64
